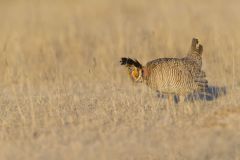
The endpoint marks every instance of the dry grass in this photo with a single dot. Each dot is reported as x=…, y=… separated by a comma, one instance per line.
x=64, y=96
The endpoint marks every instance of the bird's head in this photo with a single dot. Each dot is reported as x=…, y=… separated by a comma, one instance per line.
x=135, y=69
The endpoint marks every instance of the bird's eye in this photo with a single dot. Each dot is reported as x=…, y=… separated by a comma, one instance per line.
x=130, y=69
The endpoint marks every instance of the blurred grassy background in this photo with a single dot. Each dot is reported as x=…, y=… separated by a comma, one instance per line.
x=64, y=95
x=43, y=40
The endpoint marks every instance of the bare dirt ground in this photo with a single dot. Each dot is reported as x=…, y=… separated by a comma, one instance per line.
x=63, y=94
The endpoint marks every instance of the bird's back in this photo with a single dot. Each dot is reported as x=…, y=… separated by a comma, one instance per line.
x=172, y=75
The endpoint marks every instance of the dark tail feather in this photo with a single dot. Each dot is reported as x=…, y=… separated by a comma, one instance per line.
x=129, y=62
x=200, y=49
x=195, y=48
x=202, y=84
x=202, y=74
x=194, y=44
x=201, y=81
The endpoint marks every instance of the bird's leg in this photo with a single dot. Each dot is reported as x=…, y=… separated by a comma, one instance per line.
x=181, y=99
x=170, y=99
x=158, y=94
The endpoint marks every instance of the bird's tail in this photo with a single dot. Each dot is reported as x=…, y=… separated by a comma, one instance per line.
x=202, y=81
x=196, y=49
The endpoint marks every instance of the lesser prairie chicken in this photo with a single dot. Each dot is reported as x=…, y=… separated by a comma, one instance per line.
x=171, y=76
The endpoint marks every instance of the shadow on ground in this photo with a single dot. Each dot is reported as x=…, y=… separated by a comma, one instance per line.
x=212, y=93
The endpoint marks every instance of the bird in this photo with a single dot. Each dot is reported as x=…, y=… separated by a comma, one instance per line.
x=171, y=76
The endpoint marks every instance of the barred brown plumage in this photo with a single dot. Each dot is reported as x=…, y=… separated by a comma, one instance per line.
x=172, y=76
